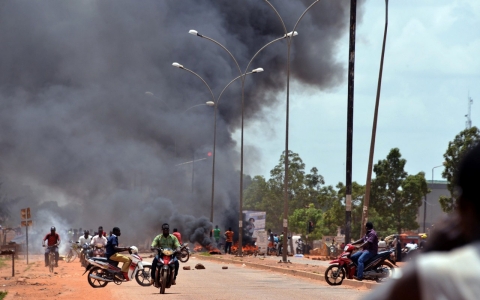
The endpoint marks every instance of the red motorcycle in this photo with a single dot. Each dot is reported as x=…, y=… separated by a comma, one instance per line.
x=378, y=268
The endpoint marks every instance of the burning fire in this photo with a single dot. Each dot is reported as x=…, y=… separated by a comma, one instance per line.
x=209, y=248
x=247, y=249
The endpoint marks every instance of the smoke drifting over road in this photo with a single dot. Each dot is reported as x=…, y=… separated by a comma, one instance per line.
x=80, y=137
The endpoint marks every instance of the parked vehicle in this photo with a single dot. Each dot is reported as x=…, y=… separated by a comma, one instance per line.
x=184, y=253
x=101, y=270
x=165, y=270
x=378, y=268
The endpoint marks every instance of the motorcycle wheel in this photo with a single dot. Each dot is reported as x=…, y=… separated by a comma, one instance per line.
x=184, y=255
x=163, y=282
x=94, y=282
x=143, y=276
x=386, y=267
x=334, y=275
x=51, y=262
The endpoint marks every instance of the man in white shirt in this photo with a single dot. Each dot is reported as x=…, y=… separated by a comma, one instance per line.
x=99, y=238
x=84, y=242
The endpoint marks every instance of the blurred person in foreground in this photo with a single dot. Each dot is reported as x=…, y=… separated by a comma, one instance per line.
x=451, y=267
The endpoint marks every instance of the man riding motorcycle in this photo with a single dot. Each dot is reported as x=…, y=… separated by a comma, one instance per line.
x=86, y=238
x=53, y=240
x=112, y=252
x=369, y=243
x=165, y=240
x=99, y=238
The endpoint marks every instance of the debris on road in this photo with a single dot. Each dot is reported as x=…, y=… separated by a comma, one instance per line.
x=224, y=267
x=186, y=267
x=199, y=266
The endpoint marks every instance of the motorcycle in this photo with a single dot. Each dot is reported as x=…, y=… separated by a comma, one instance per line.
x=299, y=249
x=184, y=253
x=101, y=270
x=98, y=250
x=378, y=268
x=332, y=250
x=85, y=254
x=165, y=271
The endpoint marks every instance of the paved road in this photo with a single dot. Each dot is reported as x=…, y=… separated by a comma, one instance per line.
x=236, y=283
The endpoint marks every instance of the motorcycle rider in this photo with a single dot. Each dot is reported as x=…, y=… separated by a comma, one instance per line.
x=369, y=244
x=165, y=240
x=53, y=240
x=86, y=238
x=99, y=238
x=177, y=235
x=112, y=252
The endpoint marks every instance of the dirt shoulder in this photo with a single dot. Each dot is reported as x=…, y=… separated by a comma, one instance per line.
x=34, y=281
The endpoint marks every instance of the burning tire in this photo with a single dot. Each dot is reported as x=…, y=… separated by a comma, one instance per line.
x=334, y=275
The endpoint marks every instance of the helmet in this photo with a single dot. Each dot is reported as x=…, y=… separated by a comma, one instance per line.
x=52, y=228
x=423, y=236
x=134, y=249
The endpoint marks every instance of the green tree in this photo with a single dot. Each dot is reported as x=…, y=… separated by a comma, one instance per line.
x=268, y=196
x=298, y=221
x=396, y=196
x=463, y=141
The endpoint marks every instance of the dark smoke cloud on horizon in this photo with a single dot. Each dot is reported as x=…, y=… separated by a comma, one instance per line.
x=78, y=130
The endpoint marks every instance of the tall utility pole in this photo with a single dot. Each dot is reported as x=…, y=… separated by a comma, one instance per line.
x=468, y=124
x=351, y=73
x=374, y=130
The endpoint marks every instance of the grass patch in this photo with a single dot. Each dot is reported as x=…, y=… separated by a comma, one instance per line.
x=3, y=294
x=205, y=254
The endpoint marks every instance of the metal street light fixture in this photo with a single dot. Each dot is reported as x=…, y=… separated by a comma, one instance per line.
x=215, y=104
x=289, y=36
x=425, y=204
x=242, y=75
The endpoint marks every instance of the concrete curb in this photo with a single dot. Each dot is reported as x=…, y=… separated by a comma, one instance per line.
x=315, y=276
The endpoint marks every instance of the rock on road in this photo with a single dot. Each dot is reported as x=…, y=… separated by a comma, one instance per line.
x=236, y=282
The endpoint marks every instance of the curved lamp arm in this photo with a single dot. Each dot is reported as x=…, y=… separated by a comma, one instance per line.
x=175, y=64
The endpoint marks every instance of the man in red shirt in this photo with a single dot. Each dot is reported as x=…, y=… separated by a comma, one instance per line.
x=177, y=235
x=53, y=239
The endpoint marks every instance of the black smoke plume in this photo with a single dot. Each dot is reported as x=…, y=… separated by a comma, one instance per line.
x=81, y=139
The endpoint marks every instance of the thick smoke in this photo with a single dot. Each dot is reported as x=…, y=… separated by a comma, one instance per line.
x=81, y=139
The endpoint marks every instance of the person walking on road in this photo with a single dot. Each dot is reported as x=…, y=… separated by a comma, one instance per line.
x=216, y=235
x=228, y=241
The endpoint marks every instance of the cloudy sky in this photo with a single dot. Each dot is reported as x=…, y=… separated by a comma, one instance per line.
x=431, y=66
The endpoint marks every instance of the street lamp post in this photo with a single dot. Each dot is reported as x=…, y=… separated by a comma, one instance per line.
x=215, y=104
x=242, y=76
x=425, y=204
x=285, y=183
